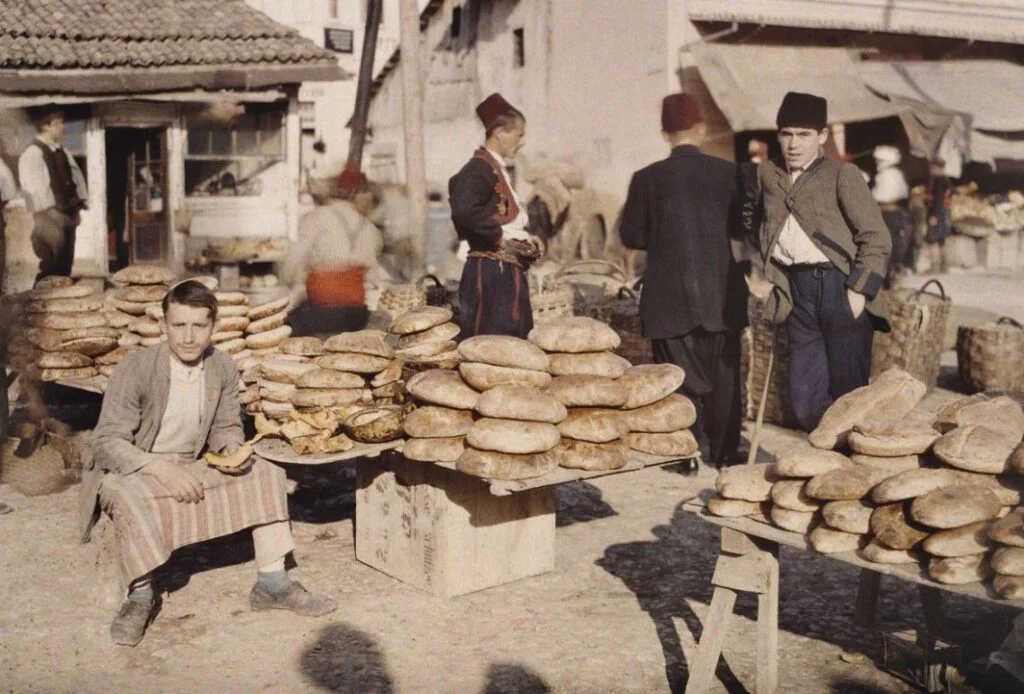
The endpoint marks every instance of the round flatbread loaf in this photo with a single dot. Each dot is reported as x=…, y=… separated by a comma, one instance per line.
x=953, y=507
x=1007, y=487
x=74, y=291
x=146, y=328
x=522, y=403
x=439, y=450
x=504, y=466
x=277, y=410
x=588, y=391
x=267, y=324
x=1009, y=561
x=444, y=360
x=574, y=334
x=960, y=542
x=1009, y=530
x=442, y=387
x=250, y=394
x=486, y=376
x=734, y=508
x=156, y=311
x=960, y=570
x=89, y=346
x=361, y=342
x=439, y=333
x=426, y=349
x=269, y=338
x=150, y=341
x=890, y=466
x=329, y=378
x=880, y=554
x=143, y=274
x=278, y=392
x=605, y=364
x=848, y=482
x=303, y=346
x=284, y=370
x=585, y=455
x=232, y=299
x=129, y=340
x=594, y=424
x=420, y=319
x=351, y=361
x=141, y=293
x=326, y=397
x=114, y=356
x=649, y=383
x=977, y=448
x=851, y=516
x=231, y=346
x=129, y=307
x=795, y=521
x=792, y=494
x=512, y=436
x=105, y=370
x=224, y=336
x=228, y=323
x=52, y=282
x=99, y=331
x=208, y=281
x=1002, y=414
x=679, y=444
x=892, y=526
x=913, y=483
x=438, y=422
x=503, y=350
x=391, y=391
x=890, y=440
x=389, y=375
x=831, y=541
x=806, y=461
x=746, y=482
x=70, y=321
x=1009, y=587
x=84, y=305
x=117, y=319
x=46, y=339
x=67, y=374
x=666, y=415
x=241, y=354
x=63, y=360
x=233, y=311
x=268, y=309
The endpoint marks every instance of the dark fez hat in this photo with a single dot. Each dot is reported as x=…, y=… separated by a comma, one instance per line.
x=491, y=108
x=800, y=110
x=680, y=112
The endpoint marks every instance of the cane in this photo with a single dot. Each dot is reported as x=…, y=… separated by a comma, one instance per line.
x=755, y=442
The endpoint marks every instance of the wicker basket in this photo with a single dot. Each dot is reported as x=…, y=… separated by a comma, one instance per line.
x=41, y=473
x=436, y=292
x=625, y=320
x=595, y=285
x=399, y=298
x=915, y=343
x=550, y=300
x=757, y=343
x=991, y=356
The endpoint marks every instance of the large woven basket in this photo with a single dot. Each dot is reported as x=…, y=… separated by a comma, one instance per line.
x=550, y=299
x=757, y=342
x=399, y=298
x=595, y=284
x=915, y=343
x=436, y=294
x=991, y=356
x=41, y=473
x=625, y=320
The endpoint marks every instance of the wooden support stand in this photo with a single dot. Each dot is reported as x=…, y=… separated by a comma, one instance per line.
x=442, y=531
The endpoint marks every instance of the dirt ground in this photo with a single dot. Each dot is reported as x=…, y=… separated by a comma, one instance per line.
x=620, y=613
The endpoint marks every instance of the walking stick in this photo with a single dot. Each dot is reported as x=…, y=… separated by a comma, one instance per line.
x=755, y=442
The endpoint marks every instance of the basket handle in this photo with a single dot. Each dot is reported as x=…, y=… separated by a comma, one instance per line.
x=639, y=284
x=437, y=282
x=1006, y=320
x=626, y=293
x=611, y=269
x=942, y=290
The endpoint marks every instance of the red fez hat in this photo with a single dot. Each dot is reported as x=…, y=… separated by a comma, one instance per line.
x=351, y=180
x=802, y=111
x=491, y=108
x=680, y=112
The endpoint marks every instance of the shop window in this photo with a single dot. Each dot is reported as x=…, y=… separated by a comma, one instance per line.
x=518, y=48
x=227, y=155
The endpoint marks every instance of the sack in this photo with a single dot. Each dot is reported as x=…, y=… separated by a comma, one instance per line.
x=915, y=344
x=991, y=356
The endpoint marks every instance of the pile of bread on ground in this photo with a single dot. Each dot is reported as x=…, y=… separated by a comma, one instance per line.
x=516, y=409
x=901, y=485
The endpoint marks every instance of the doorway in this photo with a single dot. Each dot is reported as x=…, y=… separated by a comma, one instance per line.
x=137, y=213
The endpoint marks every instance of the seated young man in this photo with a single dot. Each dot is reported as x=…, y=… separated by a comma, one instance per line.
x=164, y=406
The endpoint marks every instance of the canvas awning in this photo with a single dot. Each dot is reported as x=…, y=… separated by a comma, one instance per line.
x=748, y=82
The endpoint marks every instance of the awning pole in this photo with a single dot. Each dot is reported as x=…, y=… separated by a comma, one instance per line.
x=412, y=106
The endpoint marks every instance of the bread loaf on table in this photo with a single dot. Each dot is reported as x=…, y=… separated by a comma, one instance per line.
x=892, y=526
x=575, y=334
x=596, y=425
x=389, y=375
x=805, y=461
x=880, y=554
x=263, y=325
x=438, y=422
x=606, y=364
x=268, y=309
x=795, y=521
x=442, y=387
x=503, y=466
x=520, y=402
x=849, y=482
x=63, y=360
x=735, y=508
x=284, y=370
x=669, y=414
x=648, y=383
x=303, y=346
x=503, y=350
x=326, y=397
x=588, y=391
x=371, y=342
x=441, y=449
x=143, y=274
x=353, y=362
x=681, y=444
x=791, y=494
x=439, y=333
x=1009, y=561
x=486, y=376
x=960, y=542
x=746, y=482
x=268, y=338
x=420, y=319
x=512, y=436
x=953, y=507
x=1002, y=414
x=913, y=483
x=426, y=349
x=892, y=439
x=89, y=346
x=830, y=541
x=318, y=377
x=585, y=455
x=233, y=299
x=850, y=516
x=1009, y=530
x=977, y=448
x=960, y=570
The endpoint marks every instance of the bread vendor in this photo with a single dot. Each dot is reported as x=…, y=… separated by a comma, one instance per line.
x=494, y=297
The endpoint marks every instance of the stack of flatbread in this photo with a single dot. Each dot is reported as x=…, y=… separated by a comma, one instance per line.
x=426, y=338
x=1007, y=537
x=135, y=302
x=436, y=430
x=264, y=325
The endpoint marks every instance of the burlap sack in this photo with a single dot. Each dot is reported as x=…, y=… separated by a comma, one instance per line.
x=351, y=361
x=606, y=364
x=666, y=415
x=442, y=387
x=676, y=444
x=584, y=455
x=976, y=448
x=953, y=507
x=439, y=333
x=574, y=334
x=328, y=378
x=892, y=526
x=648, y=383
x=880, y=554
x=512, y=436
x=441, y=450
x=850, y=516
x=1009, y=587
x=1001, y=414
x=485, y=376
x=830, y=541
x=795, y=521
x=143, y=274
x=521, y=403
x=593, y=424
x=503, y=466
x=791, y=494
x=361, y=342
x=734, y=508
x=420, y=319
x=894, y=393
x=503, y=350
x=588, y=391
x=913, y=483
x=960, y=570
x=746, y=482
x=960, y=542
x=303, y=346
x=438, y=422
x=268, y=309
x=1009, y=530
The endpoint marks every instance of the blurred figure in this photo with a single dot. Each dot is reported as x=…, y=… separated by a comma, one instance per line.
x=939, y=225
x=19, y=262
x=439, y=236
x=56, y=192
x=891, y=192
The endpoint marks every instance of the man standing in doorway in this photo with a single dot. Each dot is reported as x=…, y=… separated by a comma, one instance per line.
x=825, y=249
x=693, y=305
x=56, y=192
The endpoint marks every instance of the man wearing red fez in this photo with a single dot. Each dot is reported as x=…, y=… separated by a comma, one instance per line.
x=825, y=249
x=494, y=298
x=693, y=304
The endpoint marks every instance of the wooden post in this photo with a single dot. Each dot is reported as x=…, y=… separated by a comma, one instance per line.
x=374, y=10
x=412, y=106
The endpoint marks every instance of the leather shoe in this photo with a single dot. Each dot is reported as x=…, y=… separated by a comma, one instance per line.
x=129, y=626
x=294, y=598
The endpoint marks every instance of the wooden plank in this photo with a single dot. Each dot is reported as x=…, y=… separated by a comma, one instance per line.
x=280, y=451
x=867, y=598
x=749, y=573
x=95, y=384
x=768, y=626
x=712, y=639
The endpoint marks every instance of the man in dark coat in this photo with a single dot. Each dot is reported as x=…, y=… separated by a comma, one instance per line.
x=693, y=306
x=825, y=248
x=494, y=297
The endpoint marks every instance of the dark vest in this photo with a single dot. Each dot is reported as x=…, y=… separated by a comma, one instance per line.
x=62, y=183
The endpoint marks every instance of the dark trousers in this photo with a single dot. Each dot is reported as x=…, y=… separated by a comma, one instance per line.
x=494, y=299
x=711, y=361
x=898, y=221
x=53, y=240
x=830, y=350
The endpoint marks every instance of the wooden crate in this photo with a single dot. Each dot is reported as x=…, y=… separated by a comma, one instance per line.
x=442, y=531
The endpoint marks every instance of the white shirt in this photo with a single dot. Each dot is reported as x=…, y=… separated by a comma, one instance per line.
x=795, y=246
x=9, y=193
x=35, y=177
x=516, y=229
x=180, y=425
x=890, y=186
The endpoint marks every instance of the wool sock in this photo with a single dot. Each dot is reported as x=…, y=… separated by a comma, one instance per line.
x=272, y=577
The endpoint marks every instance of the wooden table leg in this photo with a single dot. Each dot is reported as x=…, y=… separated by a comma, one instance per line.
x=768, y=628
x=867, y=598
x=705, y=660
x=931, y=602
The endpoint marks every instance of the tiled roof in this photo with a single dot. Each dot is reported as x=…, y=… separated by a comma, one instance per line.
x=49, y=35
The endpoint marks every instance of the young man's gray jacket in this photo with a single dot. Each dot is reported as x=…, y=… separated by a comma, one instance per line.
x=833, y=205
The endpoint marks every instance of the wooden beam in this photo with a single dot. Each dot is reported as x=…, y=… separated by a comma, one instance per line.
x=412, y=106
x=361, y=112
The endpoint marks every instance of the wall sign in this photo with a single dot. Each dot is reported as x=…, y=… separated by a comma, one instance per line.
x=338, y=40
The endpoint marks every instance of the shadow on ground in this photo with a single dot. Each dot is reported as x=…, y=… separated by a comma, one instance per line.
x=346, y=660
x=512, y=678
x=580, y=502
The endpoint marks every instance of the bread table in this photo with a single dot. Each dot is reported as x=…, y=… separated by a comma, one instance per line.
x=749, y=562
